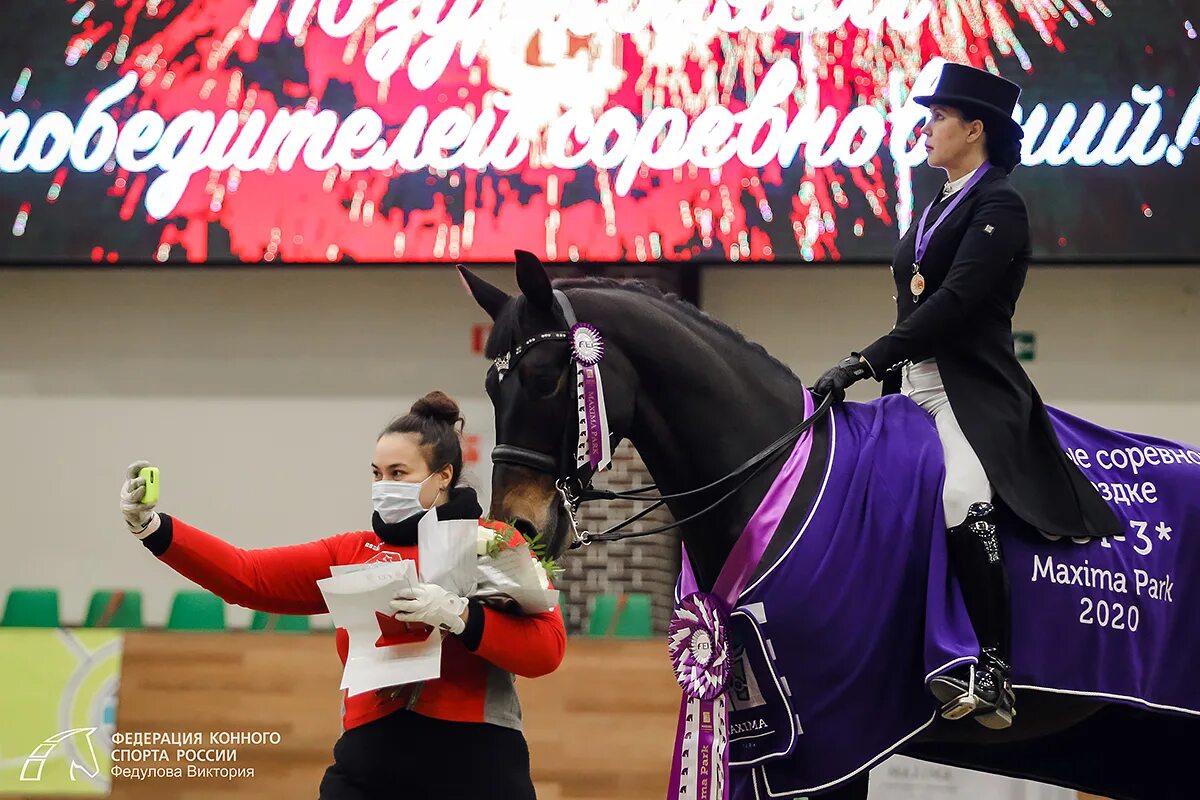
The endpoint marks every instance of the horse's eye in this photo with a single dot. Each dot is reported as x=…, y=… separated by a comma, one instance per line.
x=544, y=384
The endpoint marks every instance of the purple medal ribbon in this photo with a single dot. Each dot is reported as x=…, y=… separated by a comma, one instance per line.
x=698, y=641
x=923, y=236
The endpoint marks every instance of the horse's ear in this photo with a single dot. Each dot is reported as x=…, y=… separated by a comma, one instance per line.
x=490, y=298
x=533, y=281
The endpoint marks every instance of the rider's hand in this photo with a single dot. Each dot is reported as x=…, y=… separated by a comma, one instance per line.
x=142, y=520
x=836, y=380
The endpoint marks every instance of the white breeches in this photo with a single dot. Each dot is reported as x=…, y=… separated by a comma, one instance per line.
x=966, y=482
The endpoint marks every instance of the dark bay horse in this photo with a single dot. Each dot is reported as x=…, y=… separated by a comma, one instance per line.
x=697, y=400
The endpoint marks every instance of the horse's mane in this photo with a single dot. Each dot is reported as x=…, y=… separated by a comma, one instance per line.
x=505, y=327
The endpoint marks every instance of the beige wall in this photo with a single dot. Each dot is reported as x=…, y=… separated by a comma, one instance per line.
x=1118, y=346
x=259, y=392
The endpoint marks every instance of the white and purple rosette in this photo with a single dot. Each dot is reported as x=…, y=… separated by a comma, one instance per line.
x=587, y=349
x=587, y=345
x=699, y=646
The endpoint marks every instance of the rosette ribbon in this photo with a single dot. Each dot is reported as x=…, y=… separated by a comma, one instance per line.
x=595, y=443
x=699, y=646
x=698, y=641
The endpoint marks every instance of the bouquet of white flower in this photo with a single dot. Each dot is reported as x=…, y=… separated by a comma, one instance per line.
x=511, y=571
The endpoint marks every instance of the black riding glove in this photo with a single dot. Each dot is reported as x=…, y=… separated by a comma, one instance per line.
x=835, y=381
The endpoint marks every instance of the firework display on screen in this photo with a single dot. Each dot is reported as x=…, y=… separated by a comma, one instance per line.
x=717, y=131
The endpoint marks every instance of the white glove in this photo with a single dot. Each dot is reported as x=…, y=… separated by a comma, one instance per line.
x=142, y=520
x=432, y=605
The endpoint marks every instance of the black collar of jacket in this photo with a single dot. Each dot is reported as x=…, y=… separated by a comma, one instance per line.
x=462, y=503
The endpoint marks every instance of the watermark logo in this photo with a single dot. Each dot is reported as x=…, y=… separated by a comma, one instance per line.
x=77, y=740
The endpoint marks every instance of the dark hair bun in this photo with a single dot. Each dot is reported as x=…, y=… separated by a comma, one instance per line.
x=437, y=406
x=1003, y=149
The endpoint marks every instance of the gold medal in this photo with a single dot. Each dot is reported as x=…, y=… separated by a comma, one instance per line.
x=917, y=284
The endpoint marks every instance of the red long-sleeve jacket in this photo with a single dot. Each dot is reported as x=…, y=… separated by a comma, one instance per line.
x=478, y=665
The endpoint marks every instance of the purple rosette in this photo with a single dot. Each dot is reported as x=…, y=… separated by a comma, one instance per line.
x=587, y=346
x=698, y=642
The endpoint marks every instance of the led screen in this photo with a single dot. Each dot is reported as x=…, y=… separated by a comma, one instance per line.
x=718, y=131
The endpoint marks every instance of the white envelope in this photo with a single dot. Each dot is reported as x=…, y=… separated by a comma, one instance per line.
x=447, y=555
x=353, y=597
x=342, y=569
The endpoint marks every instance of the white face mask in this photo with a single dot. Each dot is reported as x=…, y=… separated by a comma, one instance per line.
x=396, y=501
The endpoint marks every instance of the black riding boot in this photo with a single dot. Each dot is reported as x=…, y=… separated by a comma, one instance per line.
x=984, y=691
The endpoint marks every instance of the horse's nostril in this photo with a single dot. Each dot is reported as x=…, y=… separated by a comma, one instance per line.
x=525, y=527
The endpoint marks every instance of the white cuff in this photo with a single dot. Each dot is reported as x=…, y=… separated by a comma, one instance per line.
x=150, y=528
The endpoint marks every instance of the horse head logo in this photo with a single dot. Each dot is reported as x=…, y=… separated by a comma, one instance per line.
x=78, y=742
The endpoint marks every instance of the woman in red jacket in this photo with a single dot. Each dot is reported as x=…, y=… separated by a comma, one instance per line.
x=458, y=736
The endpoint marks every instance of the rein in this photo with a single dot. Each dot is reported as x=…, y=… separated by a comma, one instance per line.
x=747, y=472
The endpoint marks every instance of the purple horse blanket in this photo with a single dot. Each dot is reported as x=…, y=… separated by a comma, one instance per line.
x=853, y=608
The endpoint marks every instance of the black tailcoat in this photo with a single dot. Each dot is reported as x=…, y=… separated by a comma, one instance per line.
x=974, y=270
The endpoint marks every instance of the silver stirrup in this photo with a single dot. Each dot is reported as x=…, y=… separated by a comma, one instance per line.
x=964, y=704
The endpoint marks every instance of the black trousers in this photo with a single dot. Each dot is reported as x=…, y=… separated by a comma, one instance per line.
x=406, y=756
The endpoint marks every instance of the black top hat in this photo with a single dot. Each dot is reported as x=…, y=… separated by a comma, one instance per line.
x=974, y=91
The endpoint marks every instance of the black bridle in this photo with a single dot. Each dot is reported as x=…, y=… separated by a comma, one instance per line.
x=574, y=484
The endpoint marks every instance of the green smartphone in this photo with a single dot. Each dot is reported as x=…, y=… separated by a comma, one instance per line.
x=150, y=475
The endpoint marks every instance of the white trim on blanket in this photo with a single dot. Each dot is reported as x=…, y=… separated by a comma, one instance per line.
x=950, y=665
x=787, y=703
x=811, y=511
x=762, y=772
x=1118, y=697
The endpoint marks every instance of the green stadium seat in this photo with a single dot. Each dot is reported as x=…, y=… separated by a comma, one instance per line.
x=114, y=608
x=31, y=608
x=196, y=611
x=291, y=623
x=624, y=616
